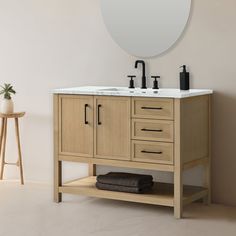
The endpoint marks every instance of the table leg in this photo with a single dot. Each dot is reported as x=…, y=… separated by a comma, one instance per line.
x=3, y=145
x=19, y=150
x=1, y=135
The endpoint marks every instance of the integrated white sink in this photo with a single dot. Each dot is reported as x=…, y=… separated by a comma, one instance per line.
x=137, y=92
x=124, y=89
x=114, y=89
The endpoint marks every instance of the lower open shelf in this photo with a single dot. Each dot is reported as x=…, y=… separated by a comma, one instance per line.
x=161, y=194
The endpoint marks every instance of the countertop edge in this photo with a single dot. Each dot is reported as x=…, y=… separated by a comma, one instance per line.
x=120, y=94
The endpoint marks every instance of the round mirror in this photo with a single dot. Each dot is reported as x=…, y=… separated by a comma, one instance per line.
x=145, y=28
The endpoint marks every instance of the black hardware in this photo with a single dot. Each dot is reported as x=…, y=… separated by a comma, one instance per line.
x=99, y=122
x=85, y=114
x=131, y=82
x=152, y=130
x=144, y=86
x=155, y=82
x=151, y=152
x=152, y=108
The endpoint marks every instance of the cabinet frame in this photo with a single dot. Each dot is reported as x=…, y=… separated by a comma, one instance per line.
x=182, y=195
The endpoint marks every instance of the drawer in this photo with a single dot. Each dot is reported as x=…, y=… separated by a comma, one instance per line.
x=153, y=130
x=153, y=108
x=152, y=152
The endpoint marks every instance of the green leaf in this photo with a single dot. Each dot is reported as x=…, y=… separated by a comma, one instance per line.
x=7, y=90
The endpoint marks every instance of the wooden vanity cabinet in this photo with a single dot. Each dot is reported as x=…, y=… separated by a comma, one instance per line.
x=162, y=134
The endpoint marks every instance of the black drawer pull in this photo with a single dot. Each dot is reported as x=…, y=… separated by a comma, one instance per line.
x=152, y=108
x=152, y=130
x=99, y=122
x=151, y=152
x=85, y=114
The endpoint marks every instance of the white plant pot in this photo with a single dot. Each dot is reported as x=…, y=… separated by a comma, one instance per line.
x=7, y=106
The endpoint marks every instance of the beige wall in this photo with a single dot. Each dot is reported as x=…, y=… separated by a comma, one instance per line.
x=46, y=44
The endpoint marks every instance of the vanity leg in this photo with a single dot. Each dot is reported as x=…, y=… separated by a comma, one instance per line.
x=57, y=181
x=178, y=167
x=57, y=163
x=207, y=183
x=178, y=194
x=92, y=170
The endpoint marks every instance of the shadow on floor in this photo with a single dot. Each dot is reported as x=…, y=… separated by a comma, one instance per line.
x=192, y=211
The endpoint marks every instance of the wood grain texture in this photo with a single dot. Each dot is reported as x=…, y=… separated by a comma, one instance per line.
x=112, y=137
x=57, y=162
x=182, y=141
x=3, y=140
x=153, y=130
x=1, y=146
x=161, y=194
x=194, y=197
x=194, y=128
x=178, y=171
x=76, y=137
x=207, y=181
x=12, y=115
x=4, y=137
x=119, y=163
x=19, y=162
x=163, y=111
x=163, y=152
x=194, y=163
x=92, y=169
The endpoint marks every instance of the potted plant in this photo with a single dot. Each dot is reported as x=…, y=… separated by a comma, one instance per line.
x=7, y=105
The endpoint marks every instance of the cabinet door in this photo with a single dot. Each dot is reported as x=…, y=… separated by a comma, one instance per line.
x=76, y=125
x=112, y=133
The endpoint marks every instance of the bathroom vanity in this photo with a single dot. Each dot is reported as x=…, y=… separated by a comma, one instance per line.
x=162, y=130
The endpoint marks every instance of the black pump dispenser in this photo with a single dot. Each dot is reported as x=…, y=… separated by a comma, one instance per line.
x=184, y=79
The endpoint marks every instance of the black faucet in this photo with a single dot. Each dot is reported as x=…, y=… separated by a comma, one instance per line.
x=144, y=86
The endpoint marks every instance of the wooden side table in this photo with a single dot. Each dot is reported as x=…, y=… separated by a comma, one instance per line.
x=3, y=138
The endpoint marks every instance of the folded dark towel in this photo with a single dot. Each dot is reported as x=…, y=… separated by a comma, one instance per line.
x=125, y=179
x=118, y=188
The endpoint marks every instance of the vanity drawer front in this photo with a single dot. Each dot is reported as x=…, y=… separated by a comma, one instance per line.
x=153, y=152
x=153, y=108
x=153, y=130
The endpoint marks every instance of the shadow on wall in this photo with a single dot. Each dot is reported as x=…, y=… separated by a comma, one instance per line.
x=223, y=147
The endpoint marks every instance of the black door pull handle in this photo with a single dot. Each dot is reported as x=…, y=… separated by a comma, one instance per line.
x=99, y=122
x=151, y=152
x=152, y=130
x=151, y=108
x=85, y=114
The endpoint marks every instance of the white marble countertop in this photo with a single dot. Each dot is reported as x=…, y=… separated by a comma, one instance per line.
x=137, y=92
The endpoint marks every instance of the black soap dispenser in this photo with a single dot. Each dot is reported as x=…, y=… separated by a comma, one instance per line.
x=184, y=79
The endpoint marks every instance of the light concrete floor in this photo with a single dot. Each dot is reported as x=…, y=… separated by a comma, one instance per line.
x=29, y=211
